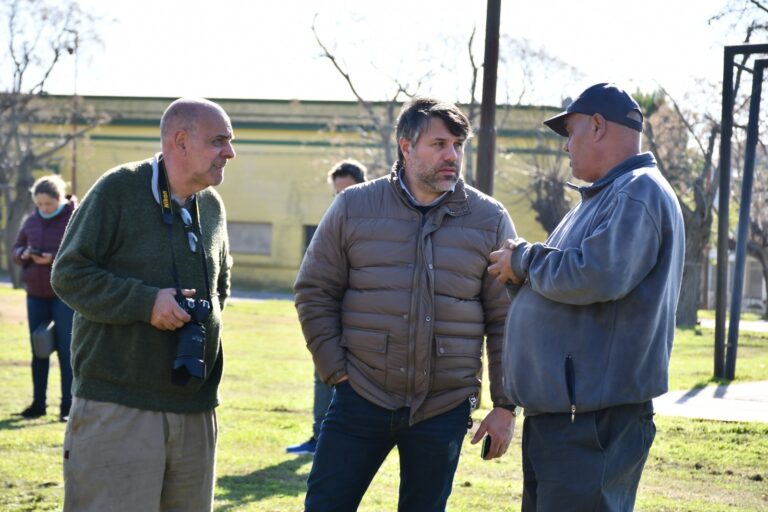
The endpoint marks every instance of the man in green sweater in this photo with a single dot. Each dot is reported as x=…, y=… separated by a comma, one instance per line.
x=145, y=265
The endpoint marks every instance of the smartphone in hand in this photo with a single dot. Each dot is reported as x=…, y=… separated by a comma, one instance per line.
x=35, y=252
x=486, y=447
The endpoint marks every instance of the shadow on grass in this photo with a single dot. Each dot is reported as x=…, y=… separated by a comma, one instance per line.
x=694, y=330
x=720, y=391
x=281, y=479
x=691, y=393
x=17, y=422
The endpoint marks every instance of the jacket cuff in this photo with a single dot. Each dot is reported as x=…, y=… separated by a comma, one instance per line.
x=520, y=259
x=336, y=377
x=514, y=409
x=147, y=296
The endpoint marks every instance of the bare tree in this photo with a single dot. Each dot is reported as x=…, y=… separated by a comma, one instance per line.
x=473, y=110
x=526, y=65
x=38, y=34
x=749, y=17
x=757, y=241
x=382, y=118
x=691, y=170
x=545, y=191
x=684, y=144
x=757, y=246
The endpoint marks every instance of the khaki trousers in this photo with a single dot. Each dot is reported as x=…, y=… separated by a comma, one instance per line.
x=118, y=458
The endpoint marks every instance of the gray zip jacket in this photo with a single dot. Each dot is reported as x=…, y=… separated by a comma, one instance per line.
x=593, y=324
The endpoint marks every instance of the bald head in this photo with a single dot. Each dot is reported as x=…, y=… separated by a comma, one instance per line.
x=197, y=143
x=184, y=114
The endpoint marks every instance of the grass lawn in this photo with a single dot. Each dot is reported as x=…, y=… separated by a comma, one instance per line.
x=267, y=402
x=692, y=364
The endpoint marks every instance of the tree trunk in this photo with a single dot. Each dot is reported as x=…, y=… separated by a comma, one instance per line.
x=696, y=240
x=18, y=209
x=469, y=167
x=759, y=251
x=765, y=284
x=688, y=306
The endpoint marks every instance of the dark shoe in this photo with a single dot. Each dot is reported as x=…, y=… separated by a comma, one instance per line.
x=64, y=413
x=307, y=447
x=33, y=411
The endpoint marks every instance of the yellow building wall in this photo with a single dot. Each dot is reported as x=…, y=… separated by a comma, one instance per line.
x=278, y=179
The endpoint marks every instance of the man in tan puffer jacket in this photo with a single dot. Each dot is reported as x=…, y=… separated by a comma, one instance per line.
x=395, y=302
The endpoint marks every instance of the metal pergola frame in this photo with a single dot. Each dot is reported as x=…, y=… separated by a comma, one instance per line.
x=725, y=356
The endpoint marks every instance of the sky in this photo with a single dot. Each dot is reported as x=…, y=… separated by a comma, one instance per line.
x=266, y=50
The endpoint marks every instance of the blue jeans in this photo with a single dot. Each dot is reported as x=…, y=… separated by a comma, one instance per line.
x=41, y=310
x=593, y=463
x=322, y=399
x=356, y=437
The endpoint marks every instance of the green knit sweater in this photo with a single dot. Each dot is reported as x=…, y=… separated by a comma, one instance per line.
x=113, y=260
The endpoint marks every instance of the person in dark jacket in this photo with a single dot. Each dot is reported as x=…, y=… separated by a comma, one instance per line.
x=397, y=309
x=590, y=329
x=36, y=246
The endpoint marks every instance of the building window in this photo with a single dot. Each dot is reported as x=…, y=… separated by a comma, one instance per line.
x=250, y=237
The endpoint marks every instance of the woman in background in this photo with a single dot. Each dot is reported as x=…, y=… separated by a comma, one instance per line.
x=36, y=245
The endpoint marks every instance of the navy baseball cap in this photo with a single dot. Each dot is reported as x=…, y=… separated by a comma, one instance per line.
x=607, y=99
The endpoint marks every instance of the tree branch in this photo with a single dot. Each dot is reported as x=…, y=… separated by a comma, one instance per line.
x=684, y=120
x=759, y=5
x=331, y=57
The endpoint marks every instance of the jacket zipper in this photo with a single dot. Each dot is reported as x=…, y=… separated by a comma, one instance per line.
x=570, y=383
x=412, y=313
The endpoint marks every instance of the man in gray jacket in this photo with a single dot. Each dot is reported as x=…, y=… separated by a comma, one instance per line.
x=590, y=329
x=395, y=302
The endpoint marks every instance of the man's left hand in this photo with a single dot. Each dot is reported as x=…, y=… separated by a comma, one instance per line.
x=500, y=425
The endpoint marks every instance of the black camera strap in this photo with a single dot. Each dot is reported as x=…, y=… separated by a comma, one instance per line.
x=166, y=207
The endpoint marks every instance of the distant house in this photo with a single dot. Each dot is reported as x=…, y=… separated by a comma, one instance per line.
x=754, y=292
x=275, y=191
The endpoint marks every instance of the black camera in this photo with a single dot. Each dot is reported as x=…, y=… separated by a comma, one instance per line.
x=190, y=351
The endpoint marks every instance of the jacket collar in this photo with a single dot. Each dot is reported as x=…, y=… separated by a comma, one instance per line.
x=628, y=165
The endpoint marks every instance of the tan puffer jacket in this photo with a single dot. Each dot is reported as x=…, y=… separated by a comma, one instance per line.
x=400, y=302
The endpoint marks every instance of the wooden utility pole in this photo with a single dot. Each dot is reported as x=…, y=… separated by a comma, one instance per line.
x=486, y=144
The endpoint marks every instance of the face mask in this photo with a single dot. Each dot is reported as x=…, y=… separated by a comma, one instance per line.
x=54, y=213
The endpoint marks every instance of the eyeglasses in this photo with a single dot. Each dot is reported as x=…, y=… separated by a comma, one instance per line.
x=186, y=219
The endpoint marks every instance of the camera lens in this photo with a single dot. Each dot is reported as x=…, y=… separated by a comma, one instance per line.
x=190, y=354
x=189, y=362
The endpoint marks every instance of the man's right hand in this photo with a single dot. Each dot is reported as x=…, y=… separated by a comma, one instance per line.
x=501, y=263
x=167, y=315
